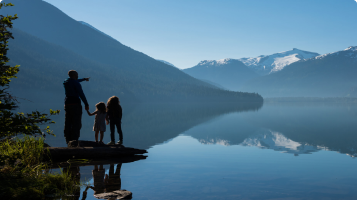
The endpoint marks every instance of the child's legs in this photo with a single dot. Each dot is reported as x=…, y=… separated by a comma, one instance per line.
x=96, y=136
x=118, y=124
x=101, y=136
x=112, y=129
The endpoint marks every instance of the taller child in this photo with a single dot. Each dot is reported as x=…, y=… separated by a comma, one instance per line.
x=72, y=106
x=114, y=114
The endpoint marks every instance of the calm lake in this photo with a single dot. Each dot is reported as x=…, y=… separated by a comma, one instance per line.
x=223, y=151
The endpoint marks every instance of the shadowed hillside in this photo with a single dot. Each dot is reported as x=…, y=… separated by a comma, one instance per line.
x=114, y=67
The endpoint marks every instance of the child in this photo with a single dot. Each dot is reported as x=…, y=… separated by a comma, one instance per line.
x=99, y=122
x=114, y=116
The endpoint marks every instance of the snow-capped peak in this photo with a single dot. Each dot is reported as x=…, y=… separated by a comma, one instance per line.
x=351, y=48
x=215, y=62
x=276, y=62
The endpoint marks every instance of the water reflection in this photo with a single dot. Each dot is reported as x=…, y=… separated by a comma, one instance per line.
x=201, y=151
x=145, y=125
x=267, y=139
x=303, y=128
x=105, y=185
x=295, y=129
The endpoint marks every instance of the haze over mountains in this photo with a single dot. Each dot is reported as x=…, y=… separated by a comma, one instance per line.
x=293, y=73
x=48, y=43
x=229, y=73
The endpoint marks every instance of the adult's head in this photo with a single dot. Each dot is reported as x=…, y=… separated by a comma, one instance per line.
x=73, y=74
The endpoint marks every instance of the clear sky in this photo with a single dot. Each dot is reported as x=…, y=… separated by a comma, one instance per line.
x=184, y=32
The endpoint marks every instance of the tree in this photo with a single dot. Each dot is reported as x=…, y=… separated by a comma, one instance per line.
x=15, y=123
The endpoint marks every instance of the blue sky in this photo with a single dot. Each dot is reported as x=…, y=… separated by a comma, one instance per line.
x=184, y=32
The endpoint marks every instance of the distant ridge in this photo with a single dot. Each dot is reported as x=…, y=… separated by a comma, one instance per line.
x=86, y=24
x=163, y=61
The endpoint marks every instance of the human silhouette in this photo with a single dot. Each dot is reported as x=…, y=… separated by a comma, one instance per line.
x=108, y=186
x=72, y=106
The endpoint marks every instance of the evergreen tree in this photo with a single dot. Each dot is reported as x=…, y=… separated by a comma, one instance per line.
x=12, y=123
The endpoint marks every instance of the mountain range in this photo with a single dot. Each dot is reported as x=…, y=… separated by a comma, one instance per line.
x=48, y=43
x=329, y=75
x=294, y=73
x=264, y=65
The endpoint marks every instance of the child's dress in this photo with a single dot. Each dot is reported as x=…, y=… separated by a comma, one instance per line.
x=99, y=121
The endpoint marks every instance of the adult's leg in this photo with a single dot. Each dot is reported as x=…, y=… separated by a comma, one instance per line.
x=112, y=129
x=68, y=121
x=77, y=122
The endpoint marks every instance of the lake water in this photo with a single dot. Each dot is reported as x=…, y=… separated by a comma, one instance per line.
x=212, y=151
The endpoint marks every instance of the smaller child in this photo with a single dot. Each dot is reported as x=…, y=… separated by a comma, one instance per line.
x=114, y=111
x=99, y=122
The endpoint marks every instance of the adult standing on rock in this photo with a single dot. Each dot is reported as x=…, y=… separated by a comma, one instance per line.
x=72, y=106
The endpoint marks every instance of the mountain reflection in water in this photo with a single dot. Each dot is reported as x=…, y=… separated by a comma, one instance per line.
x=299, y=128
x=293, y=128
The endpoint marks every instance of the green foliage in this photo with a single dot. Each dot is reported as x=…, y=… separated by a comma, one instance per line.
x=6, y=72
x=23, y=175
x=15, y=123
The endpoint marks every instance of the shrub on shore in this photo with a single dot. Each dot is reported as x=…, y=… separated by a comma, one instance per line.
x=24, y=175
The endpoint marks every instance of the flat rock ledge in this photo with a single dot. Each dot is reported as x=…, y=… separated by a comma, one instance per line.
x=90, y=150
x=117, y=194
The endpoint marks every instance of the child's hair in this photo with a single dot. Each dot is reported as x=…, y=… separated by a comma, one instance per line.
x=113, y=104
x=101, y=107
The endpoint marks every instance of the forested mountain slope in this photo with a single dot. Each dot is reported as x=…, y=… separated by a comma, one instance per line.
x=68, y=44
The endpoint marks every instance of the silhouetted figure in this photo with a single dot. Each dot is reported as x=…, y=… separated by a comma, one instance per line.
x=72, y=106
x=114, y=115
x=108, y=187
x=99, y=122
x=98, y=179
x=113, y=182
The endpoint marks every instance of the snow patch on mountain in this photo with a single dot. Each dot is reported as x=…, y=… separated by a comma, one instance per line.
x=215, y=63
x=272, y=63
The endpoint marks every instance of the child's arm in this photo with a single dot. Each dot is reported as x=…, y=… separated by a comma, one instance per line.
x=91, y=114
